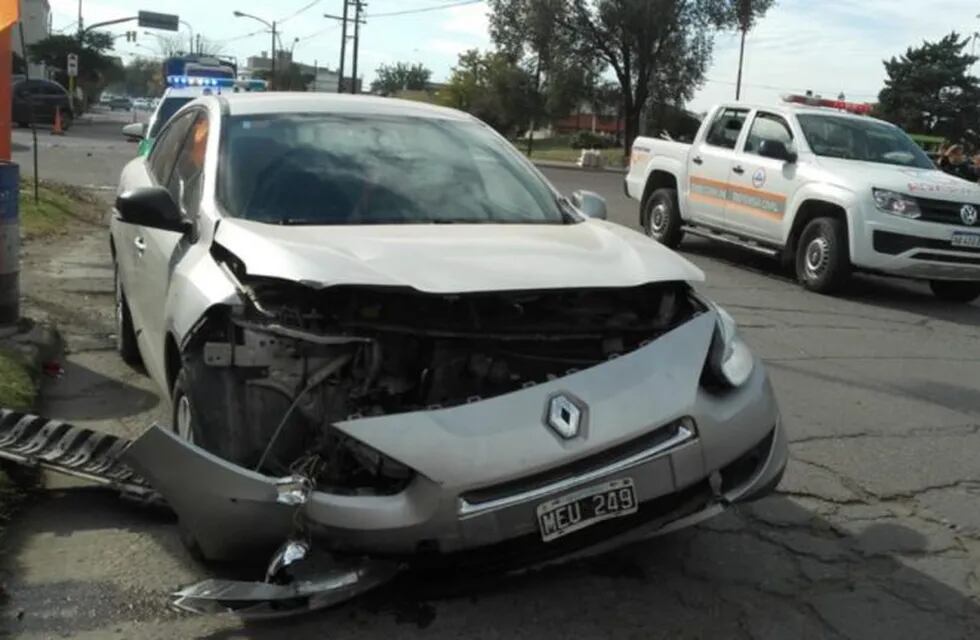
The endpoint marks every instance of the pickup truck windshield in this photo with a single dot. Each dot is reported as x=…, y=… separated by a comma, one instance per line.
x=338, y=169
x=858, y=139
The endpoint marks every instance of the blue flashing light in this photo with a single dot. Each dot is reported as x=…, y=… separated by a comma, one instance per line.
x=204, y=81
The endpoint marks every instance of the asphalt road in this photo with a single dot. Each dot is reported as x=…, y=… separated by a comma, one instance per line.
x=875, y=531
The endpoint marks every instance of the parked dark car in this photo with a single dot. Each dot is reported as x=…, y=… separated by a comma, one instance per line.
x=122, y=103
x=44, y=97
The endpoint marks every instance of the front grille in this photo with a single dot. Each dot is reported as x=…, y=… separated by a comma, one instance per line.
x=895, y=243
x=941, y=257
x=530, y=549
x=942, y=211
x=600, y=460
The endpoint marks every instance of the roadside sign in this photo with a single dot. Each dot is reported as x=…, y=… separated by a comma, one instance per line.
x=72, y=65
x=153, y=20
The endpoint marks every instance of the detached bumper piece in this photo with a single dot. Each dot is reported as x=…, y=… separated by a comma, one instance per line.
x=33, y=441
x=314, y=585
x=230, y=512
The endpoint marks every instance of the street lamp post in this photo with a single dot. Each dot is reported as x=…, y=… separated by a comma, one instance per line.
x=272, y=26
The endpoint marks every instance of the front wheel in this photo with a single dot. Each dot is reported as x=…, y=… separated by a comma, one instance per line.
x=662, y=218
x=955, y=290
x=184, y=422
x=822, y=261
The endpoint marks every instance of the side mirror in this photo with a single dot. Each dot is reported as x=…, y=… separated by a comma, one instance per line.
x=777, y=150
x=590, y=203
x=134, y=131
x=151, y=207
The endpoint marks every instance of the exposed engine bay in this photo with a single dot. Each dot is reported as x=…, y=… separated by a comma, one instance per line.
x=295, y=359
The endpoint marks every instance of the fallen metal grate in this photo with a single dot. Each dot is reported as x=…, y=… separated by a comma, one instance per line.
x=33, y=441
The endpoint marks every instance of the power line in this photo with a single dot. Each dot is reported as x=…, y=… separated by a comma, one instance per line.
x=243, y=36
x=332, y=27
x=440, y=7
x=298, y=11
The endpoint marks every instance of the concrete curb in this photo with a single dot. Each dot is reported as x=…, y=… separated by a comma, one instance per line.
x=36, y=343
x=555, y=164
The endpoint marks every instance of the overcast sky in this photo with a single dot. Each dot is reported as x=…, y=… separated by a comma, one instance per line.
x=825, y=45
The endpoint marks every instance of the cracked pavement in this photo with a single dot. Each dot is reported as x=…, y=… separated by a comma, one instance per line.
x=874, y=532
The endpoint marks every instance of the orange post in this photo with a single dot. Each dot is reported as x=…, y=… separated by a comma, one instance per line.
x=6, y=65
x=56, y=130
x=9, y=14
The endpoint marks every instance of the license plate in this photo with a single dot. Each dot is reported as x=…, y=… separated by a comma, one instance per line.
x=970, y=240
x=561, y=516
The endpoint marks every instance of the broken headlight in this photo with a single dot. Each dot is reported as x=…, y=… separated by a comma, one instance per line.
x=730, y=362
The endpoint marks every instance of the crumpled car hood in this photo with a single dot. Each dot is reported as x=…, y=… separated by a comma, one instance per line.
x=455, y=258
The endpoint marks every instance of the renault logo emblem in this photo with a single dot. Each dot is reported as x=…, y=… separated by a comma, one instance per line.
x=968, y=213
x=564, y=416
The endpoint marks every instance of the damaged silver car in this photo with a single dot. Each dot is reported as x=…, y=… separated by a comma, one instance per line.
x=383, y=332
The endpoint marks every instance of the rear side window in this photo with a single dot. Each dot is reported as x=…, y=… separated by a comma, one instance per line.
x=767, y=126
x=726, y=127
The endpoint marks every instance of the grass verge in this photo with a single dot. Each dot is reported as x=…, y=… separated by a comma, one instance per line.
x=559, y=149
x=56, y=207
x=17, y=389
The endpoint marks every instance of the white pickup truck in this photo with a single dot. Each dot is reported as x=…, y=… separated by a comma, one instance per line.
x=824, y=189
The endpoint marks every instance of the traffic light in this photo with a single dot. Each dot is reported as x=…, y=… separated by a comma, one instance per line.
x=130, y=36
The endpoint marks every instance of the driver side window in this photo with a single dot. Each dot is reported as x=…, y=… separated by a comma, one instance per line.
x=767, y=126
x=167, y=145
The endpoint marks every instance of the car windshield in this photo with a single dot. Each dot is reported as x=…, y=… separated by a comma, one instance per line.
x=168, y=107
x=861, y=139
x=330, y=169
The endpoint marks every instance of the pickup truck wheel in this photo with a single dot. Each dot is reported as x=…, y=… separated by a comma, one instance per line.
x=822, y=262
x=955, y=291
x=662, y=218
x=125, y=333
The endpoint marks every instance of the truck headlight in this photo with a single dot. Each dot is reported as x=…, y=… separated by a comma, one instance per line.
x=730, y=362
x=897, y=204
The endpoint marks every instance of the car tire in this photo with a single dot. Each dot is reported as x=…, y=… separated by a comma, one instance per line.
x=662, y=218
x=183, y=414
x=955, y=290
x=822, y=261
x=125, y=333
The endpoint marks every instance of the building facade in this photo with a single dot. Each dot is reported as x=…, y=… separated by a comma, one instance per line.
x=35, y=15
x=324, y=79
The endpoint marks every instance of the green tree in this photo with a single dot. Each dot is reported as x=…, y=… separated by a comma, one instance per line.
x=95, y=68
x=930, y=90
x=141, y=77
x=493, y=87
x=400, y=76
x=652, y=46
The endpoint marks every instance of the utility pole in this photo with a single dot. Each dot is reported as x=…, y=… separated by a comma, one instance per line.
x=741, y=54
x=272, y=77
x=357, y=32
x=80, y=25
x=343, y=49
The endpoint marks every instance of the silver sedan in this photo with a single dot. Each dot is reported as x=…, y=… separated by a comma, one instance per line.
x=386, y=336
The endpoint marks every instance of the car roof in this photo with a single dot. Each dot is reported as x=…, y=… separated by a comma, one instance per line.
x=789, y=108
x=257, y=103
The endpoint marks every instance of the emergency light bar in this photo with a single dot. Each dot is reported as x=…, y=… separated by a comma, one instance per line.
x=204, y=81
x=860, y=108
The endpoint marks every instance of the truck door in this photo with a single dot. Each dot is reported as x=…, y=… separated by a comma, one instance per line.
x=761, y=186
x=710, y=166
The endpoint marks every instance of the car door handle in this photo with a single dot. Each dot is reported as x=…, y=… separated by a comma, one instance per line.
x=738, y=169
x=140, y=244
x=697, y=160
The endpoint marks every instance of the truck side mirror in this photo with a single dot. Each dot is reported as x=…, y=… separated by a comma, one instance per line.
x=777, y=150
